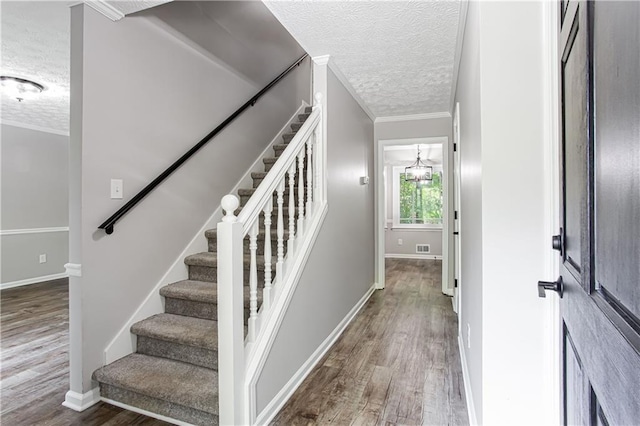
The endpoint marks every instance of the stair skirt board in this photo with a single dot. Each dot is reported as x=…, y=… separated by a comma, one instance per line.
x=288, y=389
x=145, y=412
x=123, y=344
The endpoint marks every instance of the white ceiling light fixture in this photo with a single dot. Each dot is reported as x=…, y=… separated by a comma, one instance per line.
x=418, y=171
x=20, y=88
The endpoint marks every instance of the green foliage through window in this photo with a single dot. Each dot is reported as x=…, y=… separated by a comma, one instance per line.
x=421, y=202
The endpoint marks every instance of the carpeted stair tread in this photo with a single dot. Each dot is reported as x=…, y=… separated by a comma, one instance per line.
x=303, y=117
x=210, y=259
x=164, y=379
x=288, y=137
x=197, y=291
x=179, y=329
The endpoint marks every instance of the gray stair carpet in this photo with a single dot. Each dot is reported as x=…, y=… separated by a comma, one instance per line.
x=174, y=372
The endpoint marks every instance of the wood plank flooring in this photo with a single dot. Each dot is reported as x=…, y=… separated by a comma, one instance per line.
x=396, y=364
x=34, y=362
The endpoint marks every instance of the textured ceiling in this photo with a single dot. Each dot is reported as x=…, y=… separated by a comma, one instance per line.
x=397, y=55
x=35, y=45
x=128, y=7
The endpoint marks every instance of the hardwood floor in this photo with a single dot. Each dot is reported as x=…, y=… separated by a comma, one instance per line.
x=396, y=364
x=34, y=369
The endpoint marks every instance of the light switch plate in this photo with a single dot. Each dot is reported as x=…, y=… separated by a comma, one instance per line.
x=116, y=189
x=43, y=258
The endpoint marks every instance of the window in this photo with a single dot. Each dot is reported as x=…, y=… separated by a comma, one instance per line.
x=417, y=204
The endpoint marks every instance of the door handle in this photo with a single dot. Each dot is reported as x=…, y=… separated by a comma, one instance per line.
x=557, y=242
x=557, y=286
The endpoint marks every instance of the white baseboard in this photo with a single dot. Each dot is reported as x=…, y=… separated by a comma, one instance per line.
x=471, y=409
x=285, y=393
x=35, y=280
x=145, y=412
x=124, y=343
x=81, y=401
x=413, y=256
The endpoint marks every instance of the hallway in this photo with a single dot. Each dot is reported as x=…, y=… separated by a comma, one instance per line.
x=396, y=364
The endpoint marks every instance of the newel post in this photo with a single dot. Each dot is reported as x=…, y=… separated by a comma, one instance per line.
x=230, y=315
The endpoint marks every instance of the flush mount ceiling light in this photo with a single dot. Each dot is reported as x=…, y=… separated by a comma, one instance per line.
x=20, y=88
x=418, y=171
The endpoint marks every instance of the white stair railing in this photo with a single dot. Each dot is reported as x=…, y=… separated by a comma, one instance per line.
x=302, y=157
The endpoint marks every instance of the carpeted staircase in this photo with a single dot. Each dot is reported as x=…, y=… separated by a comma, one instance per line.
x=174, y=370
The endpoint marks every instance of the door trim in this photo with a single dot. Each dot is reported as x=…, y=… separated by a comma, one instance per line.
x=551, y=213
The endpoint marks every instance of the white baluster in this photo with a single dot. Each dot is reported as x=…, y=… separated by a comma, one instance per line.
x=292, y=209
x=301, y=191
x=266, y=293
x=280, y=231
x=253, y=281
x=309, y=173
x=317, y=192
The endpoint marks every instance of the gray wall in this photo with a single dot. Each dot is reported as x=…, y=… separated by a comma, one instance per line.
x=147, y=95
x=470, y=286
x=341, y=266
x=34, y=195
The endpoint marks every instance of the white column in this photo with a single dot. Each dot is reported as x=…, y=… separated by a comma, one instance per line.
x=230, y=315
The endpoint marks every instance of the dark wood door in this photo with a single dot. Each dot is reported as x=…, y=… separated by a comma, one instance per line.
x=600, y=212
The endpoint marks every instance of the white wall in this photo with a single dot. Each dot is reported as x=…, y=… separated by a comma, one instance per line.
x=35, y=167
x=340, y=269
x=513, y=229
x=501, y=93
x=470, y=284
x=147, y=95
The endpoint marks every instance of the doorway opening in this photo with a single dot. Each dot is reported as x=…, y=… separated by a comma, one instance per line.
x=412, y=213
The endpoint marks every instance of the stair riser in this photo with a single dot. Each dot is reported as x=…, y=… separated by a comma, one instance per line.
x=158, y=406
x=190, y=308
x=210, y=274
x=196, y=356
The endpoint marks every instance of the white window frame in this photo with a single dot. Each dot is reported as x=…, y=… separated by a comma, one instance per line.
x=397, y=170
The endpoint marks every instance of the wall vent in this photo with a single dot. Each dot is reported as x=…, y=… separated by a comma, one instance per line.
x=423, y=248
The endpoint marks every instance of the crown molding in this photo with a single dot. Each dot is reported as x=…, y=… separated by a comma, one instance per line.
x=412, y=117
x=105, y=8
x=462, y=23
x=32, y=127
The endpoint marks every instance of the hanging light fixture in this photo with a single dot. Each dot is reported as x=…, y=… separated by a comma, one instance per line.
x=418, y=171
x=20, y=88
